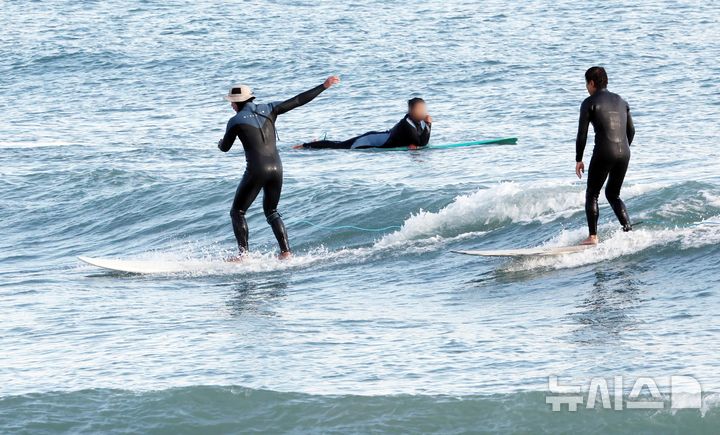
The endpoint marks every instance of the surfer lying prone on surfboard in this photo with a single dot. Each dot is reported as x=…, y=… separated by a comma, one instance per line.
x=254, y=125
x=413, y=132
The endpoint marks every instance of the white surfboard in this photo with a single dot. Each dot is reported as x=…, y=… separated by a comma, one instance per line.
x=136, y=266
x=528, y=252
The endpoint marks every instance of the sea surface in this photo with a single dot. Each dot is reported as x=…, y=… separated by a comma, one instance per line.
x=110, y=116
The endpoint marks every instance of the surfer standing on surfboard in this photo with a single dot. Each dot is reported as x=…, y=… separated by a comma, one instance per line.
x=413, y=132
x=614, y=132
x=254, y=125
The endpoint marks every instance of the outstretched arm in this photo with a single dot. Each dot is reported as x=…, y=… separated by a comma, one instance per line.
x=630, y=127
x=229, y=139
x=304, y=98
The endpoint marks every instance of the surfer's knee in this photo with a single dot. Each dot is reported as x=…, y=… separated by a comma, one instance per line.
x=591, y=195
x=236, y=214
x=272, y=216
x=612, y=195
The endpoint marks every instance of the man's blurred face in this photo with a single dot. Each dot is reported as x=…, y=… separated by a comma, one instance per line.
x=418, y=112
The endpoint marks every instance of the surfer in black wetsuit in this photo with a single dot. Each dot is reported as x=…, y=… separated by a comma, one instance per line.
x=614, y=132
x=254, y=125
x=413, y=132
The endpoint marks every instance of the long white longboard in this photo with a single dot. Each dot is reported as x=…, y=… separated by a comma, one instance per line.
x=528, y=252
x=135, y=266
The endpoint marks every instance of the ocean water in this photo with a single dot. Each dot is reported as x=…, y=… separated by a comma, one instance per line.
x=110, y=115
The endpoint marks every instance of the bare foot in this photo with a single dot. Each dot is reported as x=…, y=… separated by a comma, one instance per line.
x=591, y=240
x=298, y=147
x=236, y=258
x=285, y=255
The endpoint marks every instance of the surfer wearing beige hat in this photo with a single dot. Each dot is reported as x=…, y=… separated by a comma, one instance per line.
x=254, y=125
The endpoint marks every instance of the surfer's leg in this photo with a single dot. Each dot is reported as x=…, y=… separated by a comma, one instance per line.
x=344, y=145
x=329, y=144
x=597, y=174
x=371, y=139
x=271, y=197
x=612, y=193
x=245, y=194
x=240, y=229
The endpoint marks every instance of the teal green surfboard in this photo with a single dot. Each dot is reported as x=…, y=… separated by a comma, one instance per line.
x=499, y=141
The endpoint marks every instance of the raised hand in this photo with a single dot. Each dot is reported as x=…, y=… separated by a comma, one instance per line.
x=332, y=80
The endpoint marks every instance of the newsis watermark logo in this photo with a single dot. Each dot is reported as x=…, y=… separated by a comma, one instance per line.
x=684, y=393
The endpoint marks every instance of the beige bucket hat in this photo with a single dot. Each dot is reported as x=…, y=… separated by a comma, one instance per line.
x=239, y=94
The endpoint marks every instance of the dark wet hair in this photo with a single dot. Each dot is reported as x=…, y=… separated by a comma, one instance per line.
x=413, y=101
x=598, y=75
x=241, y=105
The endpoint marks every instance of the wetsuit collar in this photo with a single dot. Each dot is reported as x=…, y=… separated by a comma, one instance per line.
x=248, y=106
x=420, y=126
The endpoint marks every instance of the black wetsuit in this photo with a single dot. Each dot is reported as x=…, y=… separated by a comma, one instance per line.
x=254, y=125
x=614, y=132
x=405, y=133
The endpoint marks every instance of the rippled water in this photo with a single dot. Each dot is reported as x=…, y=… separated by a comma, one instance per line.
x=111, y=112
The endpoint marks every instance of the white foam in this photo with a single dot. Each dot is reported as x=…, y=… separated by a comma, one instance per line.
x=427, y=232
x=194, y=259
x=620, y=244
x=711, y=198
x=516, y=202
x=210, y=261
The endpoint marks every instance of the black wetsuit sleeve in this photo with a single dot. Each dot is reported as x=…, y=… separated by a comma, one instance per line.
x=583, y=125
x=630, y=127
x=425, y=136
x=297, y=101
x=229, y=139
